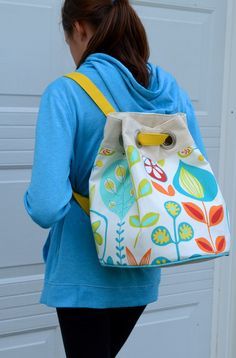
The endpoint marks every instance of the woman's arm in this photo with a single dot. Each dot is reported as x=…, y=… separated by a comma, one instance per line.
x=47, y=198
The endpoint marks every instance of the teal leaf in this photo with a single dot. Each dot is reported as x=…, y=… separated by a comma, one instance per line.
x=133, y=155
x=150, y=219
x=195, y=182
x=134, y=221
x=117, y=196
x=110, y=260
x=144, y=188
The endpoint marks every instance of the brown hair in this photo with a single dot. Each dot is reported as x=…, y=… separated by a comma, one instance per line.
x=119, y=32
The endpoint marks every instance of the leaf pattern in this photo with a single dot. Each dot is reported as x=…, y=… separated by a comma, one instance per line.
x=134, y=221
x=95, y=225
x=191, y=184
x=204, y=245
x=161, y=162
x=129, y=177
x=110, y=185
x=149, y=219
x=197, y=183
x=116, y=196
x=170, y=190
x=133, y=155
x=98, y=238
x=131, y=259
x=120, y=173
x=144, y=260
x=91, y=194
x=194, y=212
x=216, y=215
x=220, y=243
x=144, y=188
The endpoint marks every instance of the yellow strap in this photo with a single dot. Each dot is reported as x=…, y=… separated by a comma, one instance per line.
x=92, y=90
x=101, y=101
x=83, y=201
x=152, y=138
x=97, y=96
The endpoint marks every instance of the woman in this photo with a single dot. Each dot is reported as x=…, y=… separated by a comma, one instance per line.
x=97, y=306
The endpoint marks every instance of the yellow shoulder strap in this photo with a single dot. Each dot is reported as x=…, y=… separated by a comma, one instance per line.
x=101, y=101
x=83, y=201
x=92, y=90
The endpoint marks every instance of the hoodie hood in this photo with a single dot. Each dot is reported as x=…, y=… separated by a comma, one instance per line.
x=163, y=94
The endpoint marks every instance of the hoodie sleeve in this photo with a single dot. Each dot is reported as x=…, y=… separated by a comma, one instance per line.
x=47, y=198
x=193, y=124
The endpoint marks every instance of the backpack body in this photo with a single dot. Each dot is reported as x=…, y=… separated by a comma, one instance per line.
x=154, y=200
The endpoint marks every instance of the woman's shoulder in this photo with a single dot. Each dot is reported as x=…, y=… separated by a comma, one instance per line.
x=65, y=91
x=67, y=88
x=60, y=85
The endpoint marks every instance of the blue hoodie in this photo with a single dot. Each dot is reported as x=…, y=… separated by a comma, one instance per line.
x=68, y=133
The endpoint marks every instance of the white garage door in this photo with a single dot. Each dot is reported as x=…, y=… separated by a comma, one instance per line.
x=186, y=38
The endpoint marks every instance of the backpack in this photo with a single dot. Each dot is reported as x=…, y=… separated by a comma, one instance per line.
x=153, y=200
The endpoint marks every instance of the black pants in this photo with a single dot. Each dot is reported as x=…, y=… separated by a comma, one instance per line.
x=96, y=332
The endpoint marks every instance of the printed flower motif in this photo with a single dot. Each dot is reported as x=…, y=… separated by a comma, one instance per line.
x=161, y=236
x=185, y=152
x=185, y=231
x=154, y=170
x=106, y=151
x=173, y=208
x=116, y=188
x=195, y=182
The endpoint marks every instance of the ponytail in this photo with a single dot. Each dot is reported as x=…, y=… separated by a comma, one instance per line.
x=119, y=32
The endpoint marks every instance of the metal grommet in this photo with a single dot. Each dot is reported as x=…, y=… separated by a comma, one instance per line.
x=138, y=144
x=170, y=141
